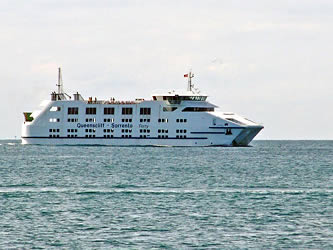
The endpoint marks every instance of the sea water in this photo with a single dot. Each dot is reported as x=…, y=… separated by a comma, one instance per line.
x=275, y=194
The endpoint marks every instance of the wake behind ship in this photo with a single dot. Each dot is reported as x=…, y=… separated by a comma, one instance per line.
x=169, y=119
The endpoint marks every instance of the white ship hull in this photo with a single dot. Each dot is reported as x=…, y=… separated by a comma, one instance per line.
x=172, y=119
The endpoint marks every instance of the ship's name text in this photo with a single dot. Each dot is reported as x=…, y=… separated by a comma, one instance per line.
x=102, y=125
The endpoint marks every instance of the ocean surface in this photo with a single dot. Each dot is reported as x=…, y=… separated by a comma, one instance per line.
x=275, y=194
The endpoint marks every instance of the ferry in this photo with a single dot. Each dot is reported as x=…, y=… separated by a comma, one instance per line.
x=174, y=118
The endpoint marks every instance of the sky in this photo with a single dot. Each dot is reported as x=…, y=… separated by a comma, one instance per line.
x=270, y=61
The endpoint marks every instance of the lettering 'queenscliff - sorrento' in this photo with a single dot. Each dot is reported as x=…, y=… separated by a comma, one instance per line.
x=174, y=118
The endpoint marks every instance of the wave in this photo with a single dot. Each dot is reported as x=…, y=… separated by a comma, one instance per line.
x=265, y=191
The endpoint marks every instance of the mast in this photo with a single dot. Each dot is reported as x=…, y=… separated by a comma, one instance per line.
x=189, y=81
x=60, y=85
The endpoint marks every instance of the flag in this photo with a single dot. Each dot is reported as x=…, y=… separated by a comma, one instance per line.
x=186, y=75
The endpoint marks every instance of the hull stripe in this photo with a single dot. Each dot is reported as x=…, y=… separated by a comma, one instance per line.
x=228, y=127
x=215, y=133
x=110, y=138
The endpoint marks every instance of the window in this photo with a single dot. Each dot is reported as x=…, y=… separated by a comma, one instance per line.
x=126, y=120
x=72, y=120
x=73, y=111
x=54, y=120
x=163, y=120
x=90, y=119
x=197, y=109
x=228, y=131
x=169, y=109
x=108, y=111
x=127, y=111
x=145, y=111
x=90, y=111
x=144, y=120
x=178, y=99
x=54, y=108
x=235, y=121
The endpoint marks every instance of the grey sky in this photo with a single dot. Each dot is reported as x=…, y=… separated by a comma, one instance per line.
x=271, y=61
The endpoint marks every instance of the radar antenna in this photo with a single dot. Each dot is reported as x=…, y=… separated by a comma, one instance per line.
x=190, y=75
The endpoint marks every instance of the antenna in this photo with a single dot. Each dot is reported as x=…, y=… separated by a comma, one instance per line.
x=190, y=75
x=60, y=85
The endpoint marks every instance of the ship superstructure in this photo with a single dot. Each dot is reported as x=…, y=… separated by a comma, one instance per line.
x=173, y=118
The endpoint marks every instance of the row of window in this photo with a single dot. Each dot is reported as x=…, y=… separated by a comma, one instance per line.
x=90, y=111
x=73, y=111
x=91, y=130
x=126, y=130
x=169, y=109
x=162, y=131
x=144, y=120
x=123, y=136
x=52, y=109
x=112, y=120
x=123, y=130
x=90, y=136
x=163, y=120
x=72, y=135
x=129, y=111
x=144, y=130
x=73, y=120
x=108, y=111
x=90, y=119
x=197, y=109
x=72, y=130
x=54, y=120
x=54, y=130
x=108, y=130
x=184, y=98
x=108, y=136
x=145, y=111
